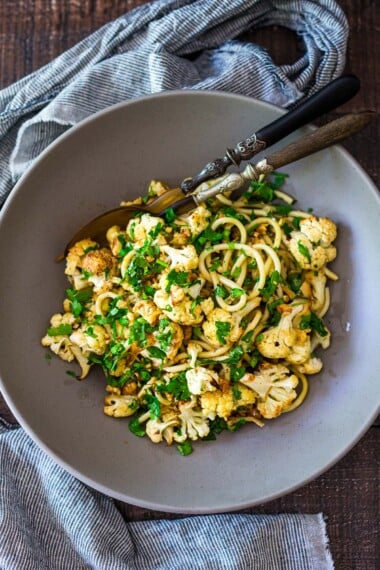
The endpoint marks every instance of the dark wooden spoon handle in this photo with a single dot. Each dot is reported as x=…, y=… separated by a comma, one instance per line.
x=331, y=133
x=328, y=98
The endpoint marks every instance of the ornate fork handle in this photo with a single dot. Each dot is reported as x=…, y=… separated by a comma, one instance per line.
x=244, y=150
x=331, y=96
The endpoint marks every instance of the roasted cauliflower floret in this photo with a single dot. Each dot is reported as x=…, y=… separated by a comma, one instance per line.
x=200, y=380
x=112, y=237
x=311, y=366
x=193, y=423
x=183, y=259
x=193, y=349
x=75, y=256
x=148, y=310
x=158, y=429
x=198, y=220
x=97, y=261
x=139, y=229
x=60, y=345
x=319, y=230
x=157, y=188
x=219, y=328
x=223, y=404
x=217, y=403
x=91, y=338
x=182, y=312
x=120, y=406
x=62, y=319
x=247, y=397
x=172, y=335
x=286, y=340
x=311, y=246
x=317, y=282
x=275, y=386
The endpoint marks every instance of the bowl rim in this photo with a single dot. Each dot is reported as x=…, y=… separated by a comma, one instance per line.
x=53, y=454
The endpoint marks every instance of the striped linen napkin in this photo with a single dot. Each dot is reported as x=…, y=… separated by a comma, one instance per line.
x=51, y=521
x=48, y=519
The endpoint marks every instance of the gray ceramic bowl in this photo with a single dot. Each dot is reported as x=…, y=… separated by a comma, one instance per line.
x=110, y=157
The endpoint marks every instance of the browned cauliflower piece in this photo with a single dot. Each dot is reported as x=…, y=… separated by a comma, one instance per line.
x=275, y=386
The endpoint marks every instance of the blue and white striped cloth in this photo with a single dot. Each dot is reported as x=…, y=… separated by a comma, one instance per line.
x=48, y=519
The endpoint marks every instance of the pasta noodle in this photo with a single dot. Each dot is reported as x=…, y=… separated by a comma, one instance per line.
x=201, y=322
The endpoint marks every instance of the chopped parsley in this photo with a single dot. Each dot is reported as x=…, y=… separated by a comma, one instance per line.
x=236, y=293
x=221, y=291
x=185, y=448
x=207, y=236
x=294, y=281
x=271, y=284
x=262, y=191
x=222, y=331
x=170, y=215
x=139, y=330
x=314, y=323
x=144, y=264
x=137, y=428
x=237, y=373
x=154, y=406
x=156, y=352
x=235, y=356
x=60, y=330
x=219, y=424
x=71, y=373
x=177, y=386
x=304, y=251
x=179, y=278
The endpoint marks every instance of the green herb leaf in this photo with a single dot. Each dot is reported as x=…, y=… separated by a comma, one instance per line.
x=177, y=386
x=185, y=448
x=60, y=330
x=235, y=356
x=247, y=337
x=314, y=323
x=221, y=291
x=304, y=251
x=283, y=209
x=222, y=330
x=170, y=215
x=237, y=373
x=71, y=373
x=278, y=179
x=271, y=284
x=137, y=428
x=179, y=278
x=294, y=281
x=262, y=191
x=236, y=293
x=156, y=352
x=139, y=330
x=154, y=406
x=296, y=223
x=255, y=358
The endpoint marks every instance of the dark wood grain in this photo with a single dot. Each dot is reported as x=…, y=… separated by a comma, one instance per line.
x=32, y=32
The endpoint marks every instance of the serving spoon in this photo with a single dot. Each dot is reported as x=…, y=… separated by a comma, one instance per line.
x=323, y=137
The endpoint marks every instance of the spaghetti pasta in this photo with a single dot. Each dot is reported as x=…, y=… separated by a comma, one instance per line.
x=201, y=322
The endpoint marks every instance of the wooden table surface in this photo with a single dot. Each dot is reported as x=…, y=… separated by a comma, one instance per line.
x=32, y=32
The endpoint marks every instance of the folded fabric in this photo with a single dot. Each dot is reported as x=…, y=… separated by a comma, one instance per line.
x=49, y=520
x=168, y=44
